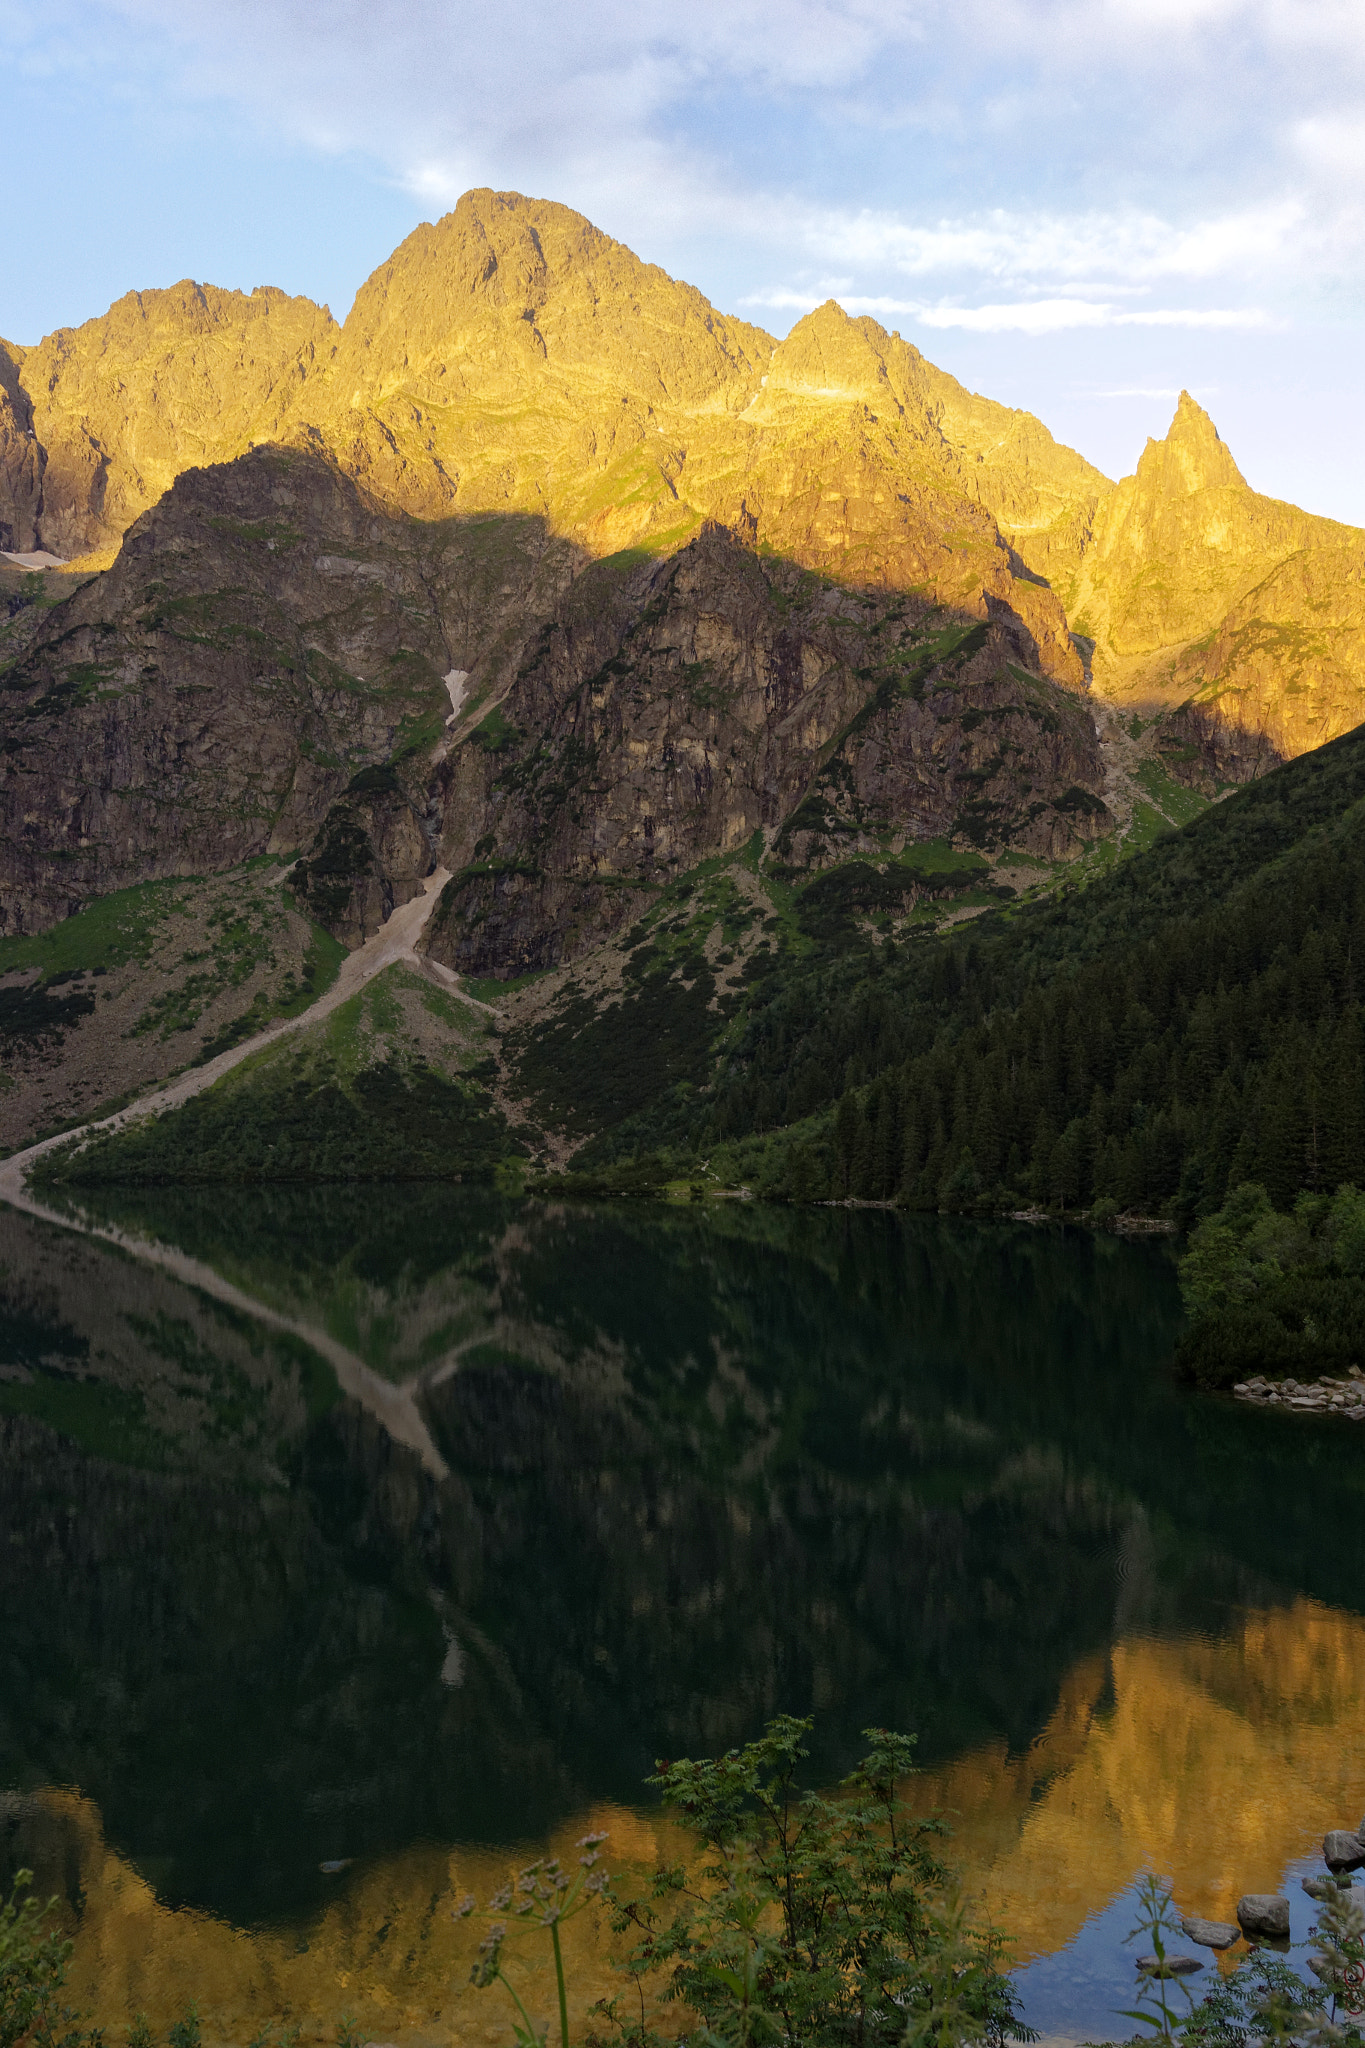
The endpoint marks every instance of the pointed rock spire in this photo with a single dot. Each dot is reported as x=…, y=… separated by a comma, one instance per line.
x=1191, y=458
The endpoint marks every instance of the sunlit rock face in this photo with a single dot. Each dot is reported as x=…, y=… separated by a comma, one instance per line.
x=1282, y=672
x=1244, y=612
x=20, y=458
x=164, y=380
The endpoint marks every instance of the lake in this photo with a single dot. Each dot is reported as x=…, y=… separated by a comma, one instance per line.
x=356, y=1542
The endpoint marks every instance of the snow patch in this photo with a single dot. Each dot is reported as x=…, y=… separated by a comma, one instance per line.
x=455, y=681
x=40, y=560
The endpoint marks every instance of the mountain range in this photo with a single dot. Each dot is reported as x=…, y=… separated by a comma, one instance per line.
x=541, y=571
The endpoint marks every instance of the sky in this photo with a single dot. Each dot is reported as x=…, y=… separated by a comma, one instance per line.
x=1077, y=206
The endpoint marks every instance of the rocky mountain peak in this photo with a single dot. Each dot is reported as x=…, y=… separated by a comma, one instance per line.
x=507, y=289
x=1191, y=458
x=829, y=355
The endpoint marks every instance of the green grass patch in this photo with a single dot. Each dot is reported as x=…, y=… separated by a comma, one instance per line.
x=494, y=733
x=1179, y=803
x=107, y=1421
x=109, y=932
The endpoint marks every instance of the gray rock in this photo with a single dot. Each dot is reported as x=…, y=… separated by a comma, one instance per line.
x=1342, y=1851
x=1210, y=1933
x=1174, y=1966
x=1263, y=1915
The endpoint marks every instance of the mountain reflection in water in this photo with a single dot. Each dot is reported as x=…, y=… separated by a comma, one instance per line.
x=699, y=1466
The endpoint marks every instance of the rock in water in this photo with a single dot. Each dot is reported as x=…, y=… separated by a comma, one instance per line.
x=1174, y=1966
x=1263, y=1916
x=1210, y=1933
x=1342, y=1851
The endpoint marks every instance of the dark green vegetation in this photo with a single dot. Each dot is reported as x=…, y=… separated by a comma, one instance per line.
x=171, y=951
x=1189, y=1021
x=305, y=1120
x=393, y=1084
x=33, y=1959
x=1273, y=1293
x=824, y=1919
x=597, y=1065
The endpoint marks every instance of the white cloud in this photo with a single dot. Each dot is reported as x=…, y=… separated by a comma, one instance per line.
x=1140, y=248
x=1167, y=391
x=1052, y=316
x=1021, y=316
x=1333, y=143
x=1224, y=139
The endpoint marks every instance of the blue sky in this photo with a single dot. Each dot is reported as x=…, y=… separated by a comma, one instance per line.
x=1075, y=205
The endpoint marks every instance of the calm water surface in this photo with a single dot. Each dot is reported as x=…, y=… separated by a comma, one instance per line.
x=402, y=1530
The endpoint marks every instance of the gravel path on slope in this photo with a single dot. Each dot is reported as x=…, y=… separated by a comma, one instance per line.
x=394, y=1407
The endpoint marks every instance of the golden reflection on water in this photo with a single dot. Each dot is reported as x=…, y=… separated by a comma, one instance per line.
x=1215, y=1762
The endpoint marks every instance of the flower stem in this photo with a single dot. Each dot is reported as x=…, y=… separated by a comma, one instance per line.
x=563, y=1998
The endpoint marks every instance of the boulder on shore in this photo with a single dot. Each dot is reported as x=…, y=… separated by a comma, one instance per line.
x=1342, y=1851
x=1210, y=1933
x=1263, y=1916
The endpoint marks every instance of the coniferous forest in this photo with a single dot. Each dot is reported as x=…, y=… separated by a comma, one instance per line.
x=1190, y=1022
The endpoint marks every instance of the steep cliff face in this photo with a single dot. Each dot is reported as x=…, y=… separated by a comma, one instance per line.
x=280, y=626
x=672, y=717
x=164, y=380
x=1238, y=615
x=20, y=458
x=1041, y=494
x=263, y=637
x=1284, y=670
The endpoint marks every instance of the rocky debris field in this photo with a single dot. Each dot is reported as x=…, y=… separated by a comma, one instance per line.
x=1321, y=1397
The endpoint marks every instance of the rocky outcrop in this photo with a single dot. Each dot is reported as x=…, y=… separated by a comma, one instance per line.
x=1174, y=546
x=372, y=852
x=676, y=714
x=1284, y=670
x=1209, y=750
x=1342, y=1850
x=1244, y=615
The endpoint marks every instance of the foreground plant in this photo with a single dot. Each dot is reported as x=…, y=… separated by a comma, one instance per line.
x=33, y=1960
x=819, y=1920
x=542, y=1896
x=1155, y=2010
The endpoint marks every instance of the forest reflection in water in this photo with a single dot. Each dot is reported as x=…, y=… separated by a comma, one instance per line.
x=690, y=1468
